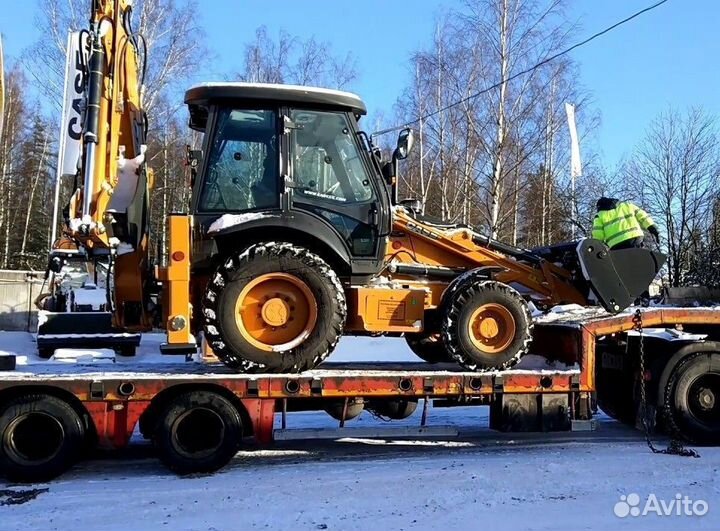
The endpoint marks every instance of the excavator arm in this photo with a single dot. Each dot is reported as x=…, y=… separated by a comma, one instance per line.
x=107, y=216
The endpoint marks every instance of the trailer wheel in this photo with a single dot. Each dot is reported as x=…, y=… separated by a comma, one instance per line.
x=41, y=437
x=275, y=307
x=428, y=347
x=354, y=408
x=691, y=408
x=396, y=409
x=198, y=432
x=488, y=326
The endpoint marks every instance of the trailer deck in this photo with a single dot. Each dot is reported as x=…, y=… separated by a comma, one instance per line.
x=552, y=388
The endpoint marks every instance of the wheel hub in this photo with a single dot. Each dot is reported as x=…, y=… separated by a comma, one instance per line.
x=706, y=399
x=275, y=312
x=488, y=327
x=491, y=328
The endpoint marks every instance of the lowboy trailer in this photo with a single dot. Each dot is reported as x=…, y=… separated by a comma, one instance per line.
x=198, y=414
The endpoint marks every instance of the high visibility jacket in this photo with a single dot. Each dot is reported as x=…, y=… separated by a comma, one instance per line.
x=621, y=223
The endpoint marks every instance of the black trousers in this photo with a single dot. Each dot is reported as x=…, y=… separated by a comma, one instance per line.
x=629, y=244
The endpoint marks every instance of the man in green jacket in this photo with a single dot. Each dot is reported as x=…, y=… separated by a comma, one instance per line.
x=620, y=224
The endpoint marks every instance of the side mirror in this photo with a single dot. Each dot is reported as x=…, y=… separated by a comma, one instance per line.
x=193, y=157
x=404, y=144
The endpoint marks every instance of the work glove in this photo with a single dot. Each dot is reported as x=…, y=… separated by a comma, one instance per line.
x=652, y=229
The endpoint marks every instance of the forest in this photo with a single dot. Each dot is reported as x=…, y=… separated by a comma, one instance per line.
x=498, y=160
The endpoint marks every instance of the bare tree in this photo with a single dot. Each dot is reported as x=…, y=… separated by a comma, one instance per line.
x=674, y=171
x=289, y=59
x=174, y=45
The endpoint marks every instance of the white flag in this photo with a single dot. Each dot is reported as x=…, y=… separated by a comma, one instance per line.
x=2, y=87
x=575, y=163
x=73, y=104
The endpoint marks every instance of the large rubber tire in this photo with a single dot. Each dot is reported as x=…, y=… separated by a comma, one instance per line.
x=41, y=436
x=198, y=432
x=354, y=408
x=396, y=409
x=691, y=407
x=428, y=347
x=226, y=286
x=513, y=333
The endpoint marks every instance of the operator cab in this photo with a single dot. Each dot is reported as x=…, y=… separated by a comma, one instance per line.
x=293, y=160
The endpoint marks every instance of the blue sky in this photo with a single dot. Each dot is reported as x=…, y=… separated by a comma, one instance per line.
x=666, y=57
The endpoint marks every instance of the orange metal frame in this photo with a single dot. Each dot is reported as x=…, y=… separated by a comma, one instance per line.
x=115, y=415
x=414, y=242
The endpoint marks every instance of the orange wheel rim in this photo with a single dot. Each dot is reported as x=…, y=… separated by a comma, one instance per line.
x=492, y=328
x=276, y=312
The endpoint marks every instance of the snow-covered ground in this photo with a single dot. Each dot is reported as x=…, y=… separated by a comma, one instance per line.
x=476, y=479
x=480, y=479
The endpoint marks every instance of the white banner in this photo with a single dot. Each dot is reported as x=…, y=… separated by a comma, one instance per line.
x=73, y=103
x=2, y=87
x=575, y=162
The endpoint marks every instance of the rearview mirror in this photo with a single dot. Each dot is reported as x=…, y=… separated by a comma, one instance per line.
x=404, y=143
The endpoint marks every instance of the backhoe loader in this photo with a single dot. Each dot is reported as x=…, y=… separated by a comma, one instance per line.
x=294, y=235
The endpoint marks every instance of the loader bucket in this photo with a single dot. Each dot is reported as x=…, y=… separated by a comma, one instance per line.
x=618, y=277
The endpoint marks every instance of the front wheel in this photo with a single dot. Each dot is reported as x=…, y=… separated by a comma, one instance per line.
x=488, y=326
x=275, y=307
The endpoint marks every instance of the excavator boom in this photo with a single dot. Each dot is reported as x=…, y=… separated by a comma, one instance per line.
x=107, y=217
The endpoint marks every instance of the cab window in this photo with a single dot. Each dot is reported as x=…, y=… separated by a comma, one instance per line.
x=242, y=165
x=326, y=159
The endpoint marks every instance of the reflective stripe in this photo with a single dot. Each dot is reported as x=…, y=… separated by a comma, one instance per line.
x=618, y=220
x=627, y=234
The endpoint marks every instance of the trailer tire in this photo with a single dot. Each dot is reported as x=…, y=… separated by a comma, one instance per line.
x=198, y=432
x=395, y=409
x=691, y=406
x=41, y=436
x=245, y=337
x=488, y=326
x=354, y=408
x=428, y=347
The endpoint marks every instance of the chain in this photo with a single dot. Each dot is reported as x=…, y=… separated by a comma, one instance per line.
x=675, y=447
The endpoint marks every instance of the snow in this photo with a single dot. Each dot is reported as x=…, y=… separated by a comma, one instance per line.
x=90, y=296
x=555, y=481
x=230, y=220
x=295, y=88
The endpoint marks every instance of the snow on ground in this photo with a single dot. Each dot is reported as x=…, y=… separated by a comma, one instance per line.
x=481, y=479
x=477, y=479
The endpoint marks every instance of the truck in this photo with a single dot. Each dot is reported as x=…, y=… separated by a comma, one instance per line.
x=294, y=237
x=199, y=414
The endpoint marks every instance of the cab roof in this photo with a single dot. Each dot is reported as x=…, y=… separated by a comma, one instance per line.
x=205, y=93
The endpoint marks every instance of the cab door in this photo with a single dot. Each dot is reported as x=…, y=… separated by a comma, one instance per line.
x=331, y=177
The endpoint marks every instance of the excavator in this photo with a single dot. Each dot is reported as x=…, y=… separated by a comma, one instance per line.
x=294, y=235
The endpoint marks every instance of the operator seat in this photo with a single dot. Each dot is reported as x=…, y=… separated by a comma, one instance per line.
x=265, y=191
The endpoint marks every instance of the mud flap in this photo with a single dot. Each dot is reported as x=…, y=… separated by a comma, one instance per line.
x=618, y=277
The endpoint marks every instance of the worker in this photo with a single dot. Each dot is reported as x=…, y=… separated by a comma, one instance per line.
x=620, y=224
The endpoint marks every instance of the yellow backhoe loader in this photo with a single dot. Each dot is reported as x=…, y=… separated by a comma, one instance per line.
x=294, y=235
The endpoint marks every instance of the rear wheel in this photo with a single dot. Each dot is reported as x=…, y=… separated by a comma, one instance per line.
x=198, y=432
x=488, y=326
x=41, y=436
x=337, y=408
x=398, y=409
x=692, y=399
x=428, y=347
x=276, y=307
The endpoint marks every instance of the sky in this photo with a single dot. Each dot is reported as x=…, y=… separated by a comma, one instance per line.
x=664, y=58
